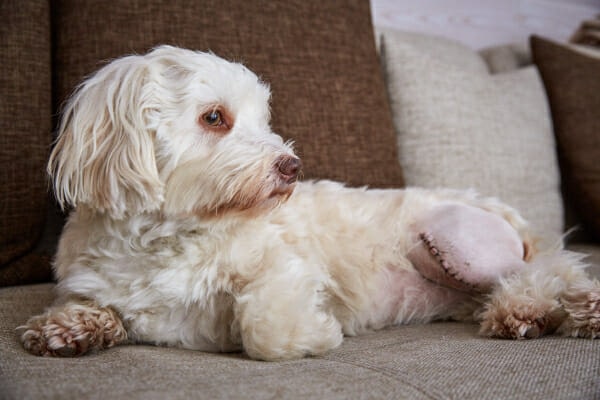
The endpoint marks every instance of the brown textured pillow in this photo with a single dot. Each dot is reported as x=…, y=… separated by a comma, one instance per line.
x=572, y=81
x=319, y=57
x=25, y=134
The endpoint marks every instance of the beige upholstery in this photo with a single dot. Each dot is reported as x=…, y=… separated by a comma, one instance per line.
x=436, y=361
x=460, y=127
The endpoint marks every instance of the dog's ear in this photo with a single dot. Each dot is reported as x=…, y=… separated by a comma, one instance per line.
x=104, y=154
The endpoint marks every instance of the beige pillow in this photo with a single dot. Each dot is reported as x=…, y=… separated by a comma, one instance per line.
x=506, y=58
x=460, y=127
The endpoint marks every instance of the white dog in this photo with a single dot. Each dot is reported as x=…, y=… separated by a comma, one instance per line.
x=189, y=229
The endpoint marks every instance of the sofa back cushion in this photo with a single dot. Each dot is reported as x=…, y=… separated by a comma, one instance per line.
x=319, y=58
x=25, y=135
x=461, y=127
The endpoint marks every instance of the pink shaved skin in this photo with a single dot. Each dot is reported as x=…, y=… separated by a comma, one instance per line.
x=465, y=247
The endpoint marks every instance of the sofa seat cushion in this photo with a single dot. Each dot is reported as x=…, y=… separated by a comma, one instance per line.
x=435, y=361
x=459, y=126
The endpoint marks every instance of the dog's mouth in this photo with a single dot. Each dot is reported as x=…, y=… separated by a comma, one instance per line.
x=249, y=189
x=261, y=195
x=283, y=190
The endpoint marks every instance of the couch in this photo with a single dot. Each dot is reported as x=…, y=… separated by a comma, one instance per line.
x=405, y=109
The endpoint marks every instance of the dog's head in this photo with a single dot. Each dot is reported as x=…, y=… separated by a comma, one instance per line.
x=174, y=131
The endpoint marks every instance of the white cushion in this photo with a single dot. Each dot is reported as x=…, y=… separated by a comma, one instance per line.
x=460, y=127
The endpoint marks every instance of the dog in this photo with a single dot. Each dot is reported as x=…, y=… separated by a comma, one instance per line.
x=190, y=228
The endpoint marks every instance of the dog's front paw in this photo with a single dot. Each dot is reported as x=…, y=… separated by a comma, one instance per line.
x=583, y=309
x=285, y=345
x=283, y=337
x=55, y=340
x=72, y=330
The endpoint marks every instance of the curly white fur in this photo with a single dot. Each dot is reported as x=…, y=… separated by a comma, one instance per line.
x=189, y=230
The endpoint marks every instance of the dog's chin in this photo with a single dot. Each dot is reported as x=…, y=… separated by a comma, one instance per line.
x=253, y=205
x=273, y=198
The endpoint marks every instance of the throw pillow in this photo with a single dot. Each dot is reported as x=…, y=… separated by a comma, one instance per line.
x=507, y=57
x=572, y=80
x=460, y=127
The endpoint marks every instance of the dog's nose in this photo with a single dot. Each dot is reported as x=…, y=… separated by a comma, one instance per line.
x=289, y=168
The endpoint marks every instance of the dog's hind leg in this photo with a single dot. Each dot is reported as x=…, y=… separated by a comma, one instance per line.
x=552, y=293
x=72, y=329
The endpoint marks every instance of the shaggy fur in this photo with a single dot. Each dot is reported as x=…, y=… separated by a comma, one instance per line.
x=189, y=229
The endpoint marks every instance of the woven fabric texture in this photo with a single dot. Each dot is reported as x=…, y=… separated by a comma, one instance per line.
x=572, y=80
x=435, y=361
x=507, y=57
x=460, y=127
x=319, y=58
x=25, y=135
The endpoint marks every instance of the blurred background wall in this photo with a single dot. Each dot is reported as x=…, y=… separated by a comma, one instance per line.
x=483, y=23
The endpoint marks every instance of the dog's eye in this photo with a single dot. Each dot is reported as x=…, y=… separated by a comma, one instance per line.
x=217, y=120
x=213, y=118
